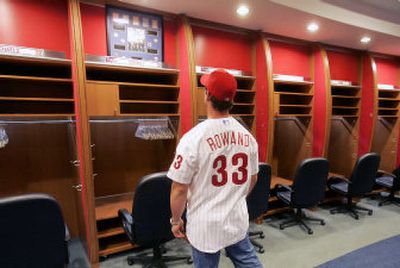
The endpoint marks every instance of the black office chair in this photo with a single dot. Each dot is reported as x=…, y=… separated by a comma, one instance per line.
x=32, y=232
x=307, y=190
x=361, y=182
x=257, y=201
x=148, y=225
x=392, y=182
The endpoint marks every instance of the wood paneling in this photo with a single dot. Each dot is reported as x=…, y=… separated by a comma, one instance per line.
x=103, y=99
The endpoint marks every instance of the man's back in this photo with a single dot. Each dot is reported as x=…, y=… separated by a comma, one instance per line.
x=221, y=156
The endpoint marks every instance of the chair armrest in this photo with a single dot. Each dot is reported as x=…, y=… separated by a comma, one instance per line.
x=283, y=186
x=127, y=222
x=337, y=178
x=67, y=233
x=383, y=172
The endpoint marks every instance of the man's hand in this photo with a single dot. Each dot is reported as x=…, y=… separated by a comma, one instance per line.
x=178, y=229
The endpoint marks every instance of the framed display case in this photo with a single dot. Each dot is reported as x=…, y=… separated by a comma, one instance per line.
x=134, y=34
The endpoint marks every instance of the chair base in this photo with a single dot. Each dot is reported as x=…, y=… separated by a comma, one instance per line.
x=299, y=219
x=389, y=199
x=157, y=260
x=258, y=246
x=350, y=208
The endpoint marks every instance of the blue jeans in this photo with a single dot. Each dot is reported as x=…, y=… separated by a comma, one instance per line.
x=242, y=254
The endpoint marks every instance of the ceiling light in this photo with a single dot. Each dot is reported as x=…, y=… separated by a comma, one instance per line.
x=312, y=27
x=365, y=39
x=242, y=10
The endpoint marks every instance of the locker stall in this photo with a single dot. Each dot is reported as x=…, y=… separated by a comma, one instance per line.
x=37, y=109
x=133, y=114
x=345, y=101
x=386, y=133
x=293, y=90
x=229, y=49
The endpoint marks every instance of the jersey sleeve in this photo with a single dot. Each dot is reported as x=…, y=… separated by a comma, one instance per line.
x=254, y=158
x=183, y=166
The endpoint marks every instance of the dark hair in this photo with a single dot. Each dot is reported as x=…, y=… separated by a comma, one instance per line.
x=220, y=106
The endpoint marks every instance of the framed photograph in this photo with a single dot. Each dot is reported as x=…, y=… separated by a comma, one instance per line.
x=135, y=35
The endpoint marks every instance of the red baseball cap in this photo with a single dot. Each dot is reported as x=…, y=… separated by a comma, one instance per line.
x=220, y=84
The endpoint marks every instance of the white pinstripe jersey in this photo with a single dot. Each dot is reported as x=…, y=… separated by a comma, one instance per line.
x=216, y=158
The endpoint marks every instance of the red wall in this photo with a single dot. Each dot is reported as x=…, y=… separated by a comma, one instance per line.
x=290, y=59
x=39, y=24
x=367, y=106
x=320, y=117
x=94, y=29
x=388, y=72
x=343, y=66
x=222, y=49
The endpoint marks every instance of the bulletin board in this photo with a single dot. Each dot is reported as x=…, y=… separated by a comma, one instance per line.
x=134, y=34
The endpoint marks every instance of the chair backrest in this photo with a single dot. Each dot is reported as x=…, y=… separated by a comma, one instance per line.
x=32, y=232
x=396, y=181
x=364, y=174
x=257, y=200
x=151, y=210
x=310, y=182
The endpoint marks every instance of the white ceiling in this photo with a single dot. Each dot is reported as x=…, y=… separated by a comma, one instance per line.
x=341, y=22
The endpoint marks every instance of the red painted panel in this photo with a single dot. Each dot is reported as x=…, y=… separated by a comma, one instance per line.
x=170, y=48
x=261, y=99
x=367, y=105
x=184, y=81
x=319, y=123
x=290, y=59
x=94, y=29
x=343, y=66
x=222, y=49
x=40, y=24
x=387, y=71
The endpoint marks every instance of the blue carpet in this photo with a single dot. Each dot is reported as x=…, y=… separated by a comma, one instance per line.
x=382, y=254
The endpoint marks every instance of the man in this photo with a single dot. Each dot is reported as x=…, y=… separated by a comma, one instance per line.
x=214, y=169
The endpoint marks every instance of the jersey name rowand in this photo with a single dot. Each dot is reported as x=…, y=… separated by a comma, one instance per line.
x=216, y=159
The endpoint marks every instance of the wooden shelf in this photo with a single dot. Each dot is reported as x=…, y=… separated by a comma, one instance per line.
x=110, y=232
x=295, y=105
x=293, y=115
x=243, y=115
x=242, y=104
x=125, y=68
x=29, y=59
x=344, y=86
x=389, y=99
x=115, y=247
x=345, y=97
x=388, y=116
x=251, y=91
x=345, y=107
x=36, y=78
x=387, y=109
x=149, y=102
x=396, y=90
x=345, y=115
x=295, y=83
x=36, y=99
x=37, y=115
x=107, y=206
x=149, y=85
x=294, y=93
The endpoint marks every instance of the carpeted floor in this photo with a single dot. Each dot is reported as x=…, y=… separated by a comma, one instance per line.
x=294, y=248
x=382, y=254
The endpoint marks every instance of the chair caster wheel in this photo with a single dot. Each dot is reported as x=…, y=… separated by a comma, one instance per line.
x=189, y=261
x=370, y=213
x=131, y=262
x=310, y=232
x=281, y=227
x=356, y=217
x=262, y=236
x=380, y=204
x=322, y=223
x=261, y=250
